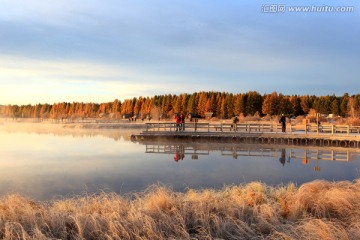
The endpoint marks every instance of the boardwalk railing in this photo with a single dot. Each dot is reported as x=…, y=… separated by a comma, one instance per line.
x=253, y=128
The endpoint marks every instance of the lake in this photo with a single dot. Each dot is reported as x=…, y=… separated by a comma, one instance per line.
x=50, y=162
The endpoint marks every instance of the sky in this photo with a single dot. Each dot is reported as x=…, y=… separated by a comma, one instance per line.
x=98, y=51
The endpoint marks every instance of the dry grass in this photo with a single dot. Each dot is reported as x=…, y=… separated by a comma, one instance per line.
x=354, y=121
x=316, y=210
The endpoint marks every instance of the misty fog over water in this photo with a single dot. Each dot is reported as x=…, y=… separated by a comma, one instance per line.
x=45, y=162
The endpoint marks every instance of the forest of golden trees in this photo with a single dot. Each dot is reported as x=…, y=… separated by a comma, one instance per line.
x=222, y=104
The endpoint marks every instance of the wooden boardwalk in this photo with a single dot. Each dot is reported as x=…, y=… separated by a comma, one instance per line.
x=309, y=135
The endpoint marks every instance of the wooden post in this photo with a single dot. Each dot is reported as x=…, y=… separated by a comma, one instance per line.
x=208, y=127
x=305, y=128
x=221, y=127
x=332, y=129
x=348, y=129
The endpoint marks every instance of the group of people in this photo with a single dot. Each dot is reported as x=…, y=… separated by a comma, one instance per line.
x=180, y=122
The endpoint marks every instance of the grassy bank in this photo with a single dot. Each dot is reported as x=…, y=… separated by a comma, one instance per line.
x=316, y=210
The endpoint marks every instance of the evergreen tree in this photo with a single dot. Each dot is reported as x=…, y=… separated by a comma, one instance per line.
x=344, y=105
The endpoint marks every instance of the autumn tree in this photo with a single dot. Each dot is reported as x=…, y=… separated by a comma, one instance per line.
x=271, y=104
x=335, y=107
x=306, y=103
x=138, y=106
x=223, y=104
x=354, y=106
x=178, y=107
x=191, y=106
x=253, y=103
x=240, y=104
x=295, y=102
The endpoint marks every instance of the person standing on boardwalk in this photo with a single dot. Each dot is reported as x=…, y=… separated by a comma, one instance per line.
x=177, y=121
x=235, y=121
x=182, y=122
x=283, y=123
x=319, y=125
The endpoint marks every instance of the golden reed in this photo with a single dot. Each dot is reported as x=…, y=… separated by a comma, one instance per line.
x=315, y=210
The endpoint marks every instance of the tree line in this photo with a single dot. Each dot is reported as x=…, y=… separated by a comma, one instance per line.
x=221, y=104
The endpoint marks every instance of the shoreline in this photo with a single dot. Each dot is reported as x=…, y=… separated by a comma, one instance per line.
x=76, y=124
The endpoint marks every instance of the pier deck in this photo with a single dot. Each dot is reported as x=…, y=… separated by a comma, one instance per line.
x=309, y=135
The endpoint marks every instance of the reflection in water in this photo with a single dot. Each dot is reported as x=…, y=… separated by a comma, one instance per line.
x=179, y=153
x=44, y=165
x=304, y=154
x=177, y=150
x=282, y=158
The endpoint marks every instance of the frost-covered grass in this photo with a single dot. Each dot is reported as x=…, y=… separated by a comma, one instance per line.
x=315, y=210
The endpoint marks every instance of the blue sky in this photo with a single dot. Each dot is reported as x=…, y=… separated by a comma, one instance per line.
x=96, y=51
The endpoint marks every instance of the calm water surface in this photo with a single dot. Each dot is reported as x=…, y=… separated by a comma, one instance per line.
x=47, y=164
